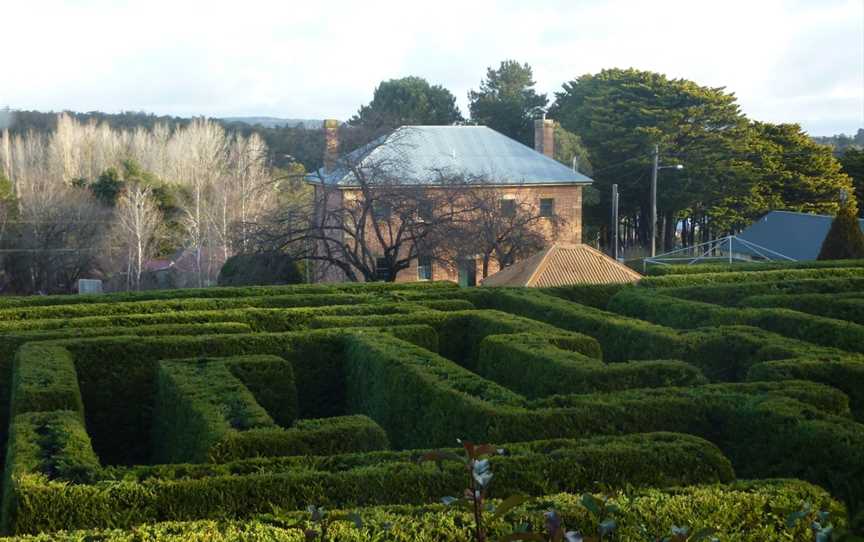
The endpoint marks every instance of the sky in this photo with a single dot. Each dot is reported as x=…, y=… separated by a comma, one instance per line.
x=787, y=61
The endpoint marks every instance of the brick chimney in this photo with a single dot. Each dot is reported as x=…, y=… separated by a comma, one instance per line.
x=544, y=136
x=331, y=143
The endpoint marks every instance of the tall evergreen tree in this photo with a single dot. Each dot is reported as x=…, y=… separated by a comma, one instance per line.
x=853, y=164
x=845, y=240
x=507, y=101
x=408, y=101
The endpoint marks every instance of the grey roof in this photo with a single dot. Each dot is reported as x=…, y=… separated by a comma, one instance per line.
x=797, y=235
x=420, y=154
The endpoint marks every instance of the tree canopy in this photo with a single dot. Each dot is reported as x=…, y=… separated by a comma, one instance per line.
x=853, y=165
x=507, y=101
x=845, y=240
x=734, y=169
x=408, y=101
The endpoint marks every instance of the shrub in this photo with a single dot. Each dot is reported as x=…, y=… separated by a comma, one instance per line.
x=828, y=305
x=845, y=240
x=621, y=338
x=199, y=403
x=732, y=293
x=240, y=489
x=735, y=267
x=728, y=508
x=535, y=366
x=259, y=269
x=668, y=281
x=679, y=313
x=43, y=380
x=593, y=295
x=42, y=446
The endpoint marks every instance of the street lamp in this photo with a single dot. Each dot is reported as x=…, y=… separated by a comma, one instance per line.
x=657, y=167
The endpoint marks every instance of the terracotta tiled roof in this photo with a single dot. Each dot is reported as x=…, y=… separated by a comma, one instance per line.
x=563, y=264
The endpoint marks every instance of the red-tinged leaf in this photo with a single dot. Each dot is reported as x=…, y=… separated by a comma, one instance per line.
x=485, y=449
x=469, y=448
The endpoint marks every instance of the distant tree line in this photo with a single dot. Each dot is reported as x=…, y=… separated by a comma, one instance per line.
x=94, y=167
x=86, y=199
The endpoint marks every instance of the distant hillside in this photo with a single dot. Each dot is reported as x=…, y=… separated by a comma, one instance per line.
x=841, y=142
x=275, y=122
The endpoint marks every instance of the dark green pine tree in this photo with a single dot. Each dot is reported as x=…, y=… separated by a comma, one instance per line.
x=845, y=240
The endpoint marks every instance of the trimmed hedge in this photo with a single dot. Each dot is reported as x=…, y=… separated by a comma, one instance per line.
x=537, y=366
x=114, y=392
x=44, y=379
x=175, y=305
x=381, y=289
x=420, y=398
x=733, y=293
x=43, y=446
x=244, y=488
x=593, y=295
x=728, y=509
x=700, y=268
x=668, y=281
x=685, y=314
x=199, y=403
x=620, y=337
x=828, y=305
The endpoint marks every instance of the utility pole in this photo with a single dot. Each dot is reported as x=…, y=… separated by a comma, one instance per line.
x=654, y=171
x=614, y=230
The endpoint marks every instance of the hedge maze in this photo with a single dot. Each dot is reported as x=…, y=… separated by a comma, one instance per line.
x=191, y=413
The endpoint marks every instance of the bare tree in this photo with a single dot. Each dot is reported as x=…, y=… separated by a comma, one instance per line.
x=503, y=230
x=376, y=225
x=138, y=217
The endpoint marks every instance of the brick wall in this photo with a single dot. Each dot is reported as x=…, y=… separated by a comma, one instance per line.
x=568, y=207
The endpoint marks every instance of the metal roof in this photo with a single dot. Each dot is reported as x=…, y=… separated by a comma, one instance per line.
x=421, y=154
x=796, y=235
x=564, y=264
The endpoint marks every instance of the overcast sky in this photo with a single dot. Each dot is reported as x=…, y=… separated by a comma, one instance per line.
x=787, y=61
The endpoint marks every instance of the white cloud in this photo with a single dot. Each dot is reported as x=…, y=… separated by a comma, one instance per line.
x=786, y=61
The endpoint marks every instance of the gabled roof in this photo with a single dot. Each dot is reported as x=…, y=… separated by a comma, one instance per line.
x=421, y=154
x=796, y=235
x=564, y=264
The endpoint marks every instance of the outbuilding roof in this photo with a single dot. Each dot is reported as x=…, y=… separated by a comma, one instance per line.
x=796, y=235
x=423, y=154
x=564, y=264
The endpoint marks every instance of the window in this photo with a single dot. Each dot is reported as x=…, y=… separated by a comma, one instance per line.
x=424, y=268
x=547, y=207
x=424, y=210
x=382, y=270
x=381, y=210
x=508, y=207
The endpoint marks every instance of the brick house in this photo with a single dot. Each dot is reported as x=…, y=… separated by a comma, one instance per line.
x=517, y=171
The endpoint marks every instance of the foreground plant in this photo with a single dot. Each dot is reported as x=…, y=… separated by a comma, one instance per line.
x=475, y=497
x=320, y=518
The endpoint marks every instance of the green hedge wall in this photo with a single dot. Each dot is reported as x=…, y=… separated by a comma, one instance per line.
x=44, y=379
x=701, y=268
x=621, y=338
x=535, y=366
x=199, y=402
x=114, y=392
x=668, y=281
x=242, y=489
x=381, y=289
x=828, y=305
x=685, y=314
x=732, y=293
x=593, y=295
x=729, y=509
x=43, y=446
